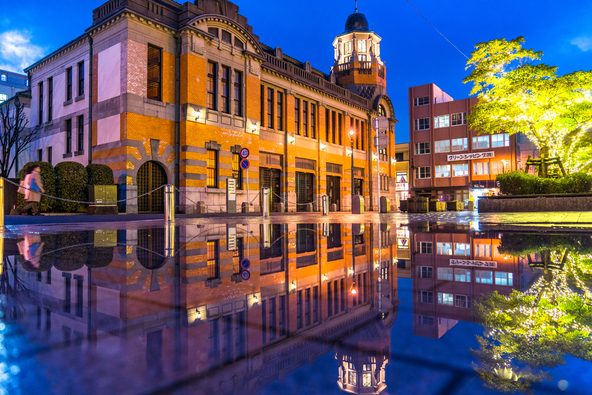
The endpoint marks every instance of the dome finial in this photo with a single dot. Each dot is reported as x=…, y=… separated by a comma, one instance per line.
x=356, y=6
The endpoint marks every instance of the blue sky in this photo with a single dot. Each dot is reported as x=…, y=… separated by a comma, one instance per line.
x=414, y=52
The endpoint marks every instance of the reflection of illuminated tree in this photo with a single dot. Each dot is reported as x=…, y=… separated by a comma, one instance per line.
x=11, y=284
x=539, y=327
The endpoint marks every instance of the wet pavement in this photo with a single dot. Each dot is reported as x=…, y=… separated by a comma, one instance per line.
x=443, y=303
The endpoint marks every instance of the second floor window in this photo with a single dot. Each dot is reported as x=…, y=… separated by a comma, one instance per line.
x=280, y=111
x=69, y=84
x=422, y=124
x=212, y=86
x=442, y=171
x=270, y=112
x=424, y=247
x=40, y=103
x=480, y=142
x=154, y=73
x=500, y=140
x=459, y=144
x=80, y=78
x=460, y=170
x=313, y=121
x=49, y=99
x=423, y=172
x=225, y=90
x=238, y=93
x=422, y=148
x=297, y=115
x=441, y=121
x=305, y=118
x=442, y=146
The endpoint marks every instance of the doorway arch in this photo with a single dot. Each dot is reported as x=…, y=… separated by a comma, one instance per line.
x=151, y=175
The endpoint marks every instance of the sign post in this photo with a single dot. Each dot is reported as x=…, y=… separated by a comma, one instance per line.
x=244, y=154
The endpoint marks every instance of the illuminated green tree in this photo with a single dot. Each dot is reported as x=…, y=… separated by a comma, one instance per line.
x=518, y=94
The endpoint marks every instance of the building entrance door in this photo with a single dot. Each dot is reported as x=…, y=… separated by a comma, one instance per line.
x=151, y=175
x=334, y=190
x=304, y=190
x=270, y=178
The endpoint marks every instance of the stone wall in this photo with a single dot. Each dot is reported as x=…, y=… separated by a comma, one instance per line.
x=521, y=204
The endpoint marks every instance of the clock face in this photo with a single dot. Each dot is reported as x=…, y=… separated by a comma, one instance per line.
x=348, y=48
x=361, y=45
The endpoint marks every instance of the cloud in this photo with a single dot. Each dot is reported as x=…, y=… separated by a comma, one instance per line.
x=17, y=52
x=583, y=42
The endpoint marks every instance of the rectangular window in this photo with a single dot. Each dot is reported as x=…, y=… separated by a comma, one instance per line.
x=483, y=250
x=426, y=320
x=500, y=140
x=307, y=307
x=212, y=259
x=212, y=169
x=422, y=148
x=425, y=271
x=460, y=118
x=462, y=249
x=50, y=155
x=445, y=299
x=272, y=319
x=504, y=279
x=238, y=43
x=421, y=101
x=329, y=300
x=424, y=247
x=459, y=144
x=444, y=248
x=481, y=169
x=480, y=142
x=226, y=37
x=313, y=121
x=399, y=157
x=68, y=136
x=327, y=123
x=80, y=137
x=80, y=78
x=40, y=156
x=225, y=85
x=213, y=31
x=442, y=146
x=238, y=93
x=154, y=73
x=49, y=99
x=305, y=118
x=333, y=126
x=282, y=314
x=442, y=171
x=463, y=301
x=315, y=304
x=280, y=111
x=40, y=103
x=264, y=321
x=460, y=170
x=69, y=84
x=422, y=123
x=484, y=277
x=297, y=115
x=237, y=172
x=442, y=121
x=445, y=273
x=426, y=297
x=262, y=105
x=422, y=172
x=270, y=108
x=340, y=127
x=212, y=86
x=462, y=275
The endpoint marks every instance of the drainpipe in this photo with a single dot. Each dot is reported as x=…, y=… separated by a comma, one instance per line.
x=90, y=95
x=178, y=41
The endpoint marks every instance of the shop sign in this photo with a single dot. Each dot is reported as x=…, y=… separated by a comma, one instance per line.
x=402, y=233
x=403, y=244
x=474, y=155
x=401, y=187
x=468, y=263
x=402, y=177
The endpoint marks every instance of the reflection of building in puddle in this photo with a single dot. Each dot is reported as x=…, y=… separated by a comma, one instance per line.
x=206, y=310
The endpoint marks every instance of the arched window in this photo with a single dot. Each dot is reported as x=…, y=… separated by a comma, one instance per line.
x=381, y=110
x=3, y=78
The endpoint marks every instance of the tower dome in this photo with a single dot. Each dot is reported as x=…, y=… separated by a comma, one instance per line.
x=356, y=22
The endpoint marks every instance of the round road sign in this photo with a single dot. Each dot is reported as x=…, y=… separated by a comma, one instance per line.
x=244, y=164
x=244, y=153
x=245, y=275
x=245, y=263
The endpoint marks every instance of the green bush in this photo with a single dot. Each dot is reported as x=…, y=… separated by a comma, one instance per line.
x=99, y=174
x=71, y=183
x=519, y=183
x=49, y=184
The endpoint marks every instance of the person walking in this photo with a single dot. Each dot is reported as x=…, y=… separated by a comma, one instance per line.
x=34, y=190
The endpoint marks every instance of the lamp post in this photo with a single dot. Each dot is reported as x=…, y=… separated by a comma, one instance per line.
x=352, y=134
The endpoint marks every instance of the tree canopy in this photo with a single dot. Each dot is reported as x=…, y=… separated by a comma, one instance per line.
x=519, y=94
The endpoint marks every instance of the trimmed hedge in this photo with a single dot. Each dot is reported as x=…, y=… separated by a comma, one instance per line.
x=519, y=183
x=49, y=184
x=71, y=183
x=99, y=174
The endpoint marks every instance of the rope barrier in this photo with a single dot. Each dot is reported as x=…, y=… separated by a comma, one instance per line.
x=286, y=200
x=81, y=202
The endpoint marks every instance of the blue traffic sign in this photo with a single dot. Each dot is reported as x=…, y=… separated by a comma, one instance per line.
x=245, y=275
x=244, y=164
x=245, y=263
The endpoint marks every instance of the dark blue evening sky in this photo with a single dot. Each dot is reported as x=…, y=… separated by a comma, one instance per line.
x=414, y=52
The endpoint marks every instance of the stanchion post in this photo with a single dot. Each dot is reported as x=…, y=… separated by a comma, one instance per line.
x=169, y=240
x=1, y=202
x=265, y=203
x=169, y=203
x=325, y=205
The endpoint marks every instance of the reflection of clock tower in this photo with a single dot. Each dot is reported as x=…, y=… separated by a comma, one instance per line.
x=358, y=67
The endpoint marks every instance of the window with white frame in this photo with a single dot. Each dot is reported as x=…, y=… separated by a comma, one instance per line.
x=481, y=169
x=462, y=249
x=424, y=247
x=446, y=299
x=483, y=276
x=423, y=172
x=459, y=144
x=422, y=123
x=460, y=118
x=462, y=275
x=504, y=279
x=421, y=101
x=425, y=271
x=445, y=273
x=442, y=171
x=426, y=297
x=483, y=250
x=444, y=248
x=460, y=170
x=442, y=121
x=500, y=140
x=463, y=301
x=497, y=167
x=422, y=148
x=480, y=142
x=442, y=146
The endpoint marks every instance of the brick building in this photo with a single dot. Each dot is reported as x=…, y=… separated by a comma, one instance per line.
x=172, y=92
x=450, y=161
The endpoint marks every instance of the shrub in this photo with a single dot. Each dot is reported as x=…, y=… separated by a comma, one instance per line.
x=49, y=184
x=519, y=183
x=71, y=183
x=99, y=174
x=576, y=183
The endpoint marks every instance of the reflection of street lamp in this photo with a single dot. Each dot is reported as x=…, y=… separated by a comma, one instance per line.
x=354, y=289
x=504, y=165
x=352, y=134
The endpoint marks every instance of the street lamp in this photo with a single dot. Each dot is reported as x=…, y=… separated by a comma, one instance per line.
x=352, y=134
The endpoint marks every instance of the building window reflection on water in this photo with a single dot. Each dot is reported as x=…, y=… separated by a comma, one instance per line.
x=462, y=275
x=212, y=260
x=424, y=247
x=445, y=299
x=445, y=273
x=426, y=296
x=444, y=248
x=462, y=249
x=425, y=271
